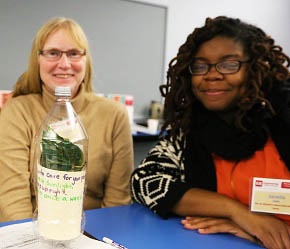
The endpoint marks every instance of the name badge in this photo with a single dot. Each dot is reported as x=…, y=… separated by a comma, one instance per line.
x=270, y=196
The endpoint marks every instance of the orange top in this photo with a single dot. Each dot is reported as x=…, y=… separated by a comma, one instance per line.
x=234, y=178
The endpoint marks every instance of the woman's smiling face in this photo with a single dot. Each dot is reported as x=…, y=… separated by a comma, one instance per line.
x=62, y=72
x=217, y=91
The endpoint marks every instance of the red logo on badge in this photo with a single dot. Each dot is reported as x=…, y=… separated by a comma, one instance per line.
x=259, y=183
x=285, y=185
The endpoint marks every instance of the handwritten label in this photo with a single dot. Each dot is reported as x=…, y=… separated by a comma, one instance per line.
x=60, y=203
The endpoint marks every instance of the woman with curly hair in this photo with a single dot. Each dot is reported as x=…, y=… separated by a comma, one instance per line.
x=227, y=120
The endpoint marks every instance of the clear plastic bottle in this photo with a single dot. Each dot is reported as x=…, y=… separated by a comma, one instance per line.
x=60, y=173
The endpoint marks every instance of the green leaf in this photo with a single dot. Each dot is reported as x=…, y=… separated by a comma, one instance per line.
x=59, y=153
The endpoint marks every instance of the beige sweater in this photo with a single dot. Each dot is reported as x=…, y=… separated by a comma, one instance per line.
x=110, y=160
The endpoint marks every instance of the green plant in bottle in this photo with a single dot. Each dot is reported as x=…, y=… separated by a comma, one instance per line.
x=60, y=153
x=61, y=161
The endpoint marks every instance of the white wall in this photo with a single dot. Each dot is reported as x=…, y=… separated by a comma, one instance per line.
x=273, y=16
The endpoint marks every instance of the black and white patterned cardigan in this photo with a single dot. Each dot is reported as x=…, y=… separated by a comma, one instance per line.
x=159, y=180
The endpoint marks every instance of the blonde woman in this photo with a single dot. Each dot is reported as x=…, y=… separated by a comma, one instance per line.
x=60, y=56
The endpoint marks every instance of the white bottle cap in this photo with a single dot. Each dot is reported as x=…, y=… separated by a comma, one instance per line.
x=62, y=91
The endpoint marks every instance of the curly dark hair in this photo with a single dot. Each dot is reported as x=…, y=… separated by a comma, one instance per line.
x=268, y=65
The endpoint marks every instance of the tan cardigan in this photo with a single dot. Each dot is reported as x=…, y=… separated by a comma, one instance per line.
x=110, y=160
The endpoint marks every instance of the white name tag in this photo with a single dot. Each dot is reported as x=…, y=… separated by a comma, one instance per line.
x=270, y=196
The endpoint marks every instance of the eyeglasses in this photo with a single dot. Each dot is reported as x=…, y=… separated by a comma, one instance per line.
x=223, y=67
x=55, y=54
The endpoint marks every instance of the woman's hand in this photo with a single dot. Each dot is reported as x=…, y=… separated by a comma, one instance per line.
x=265, y=230
x=210, y=225
x=231, y=216
x=272, y=232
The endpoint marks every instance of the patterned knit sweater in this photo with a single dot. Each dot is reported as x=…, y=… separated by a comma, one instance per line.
x=159, y=180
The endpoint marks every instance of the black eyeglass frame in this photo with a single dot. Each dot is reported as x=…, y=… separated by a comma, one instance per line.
x=209, y=65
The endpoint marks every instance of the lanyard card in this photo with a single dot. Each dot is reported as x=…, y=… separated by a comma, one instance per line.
x=270, y=196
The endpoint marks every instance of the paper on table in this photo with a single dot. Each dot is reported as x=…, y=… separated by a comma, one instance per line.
x=22, y=236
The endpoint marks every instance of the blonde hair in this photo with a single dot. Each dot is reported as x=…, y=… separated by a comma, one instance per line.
x=29, y=81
